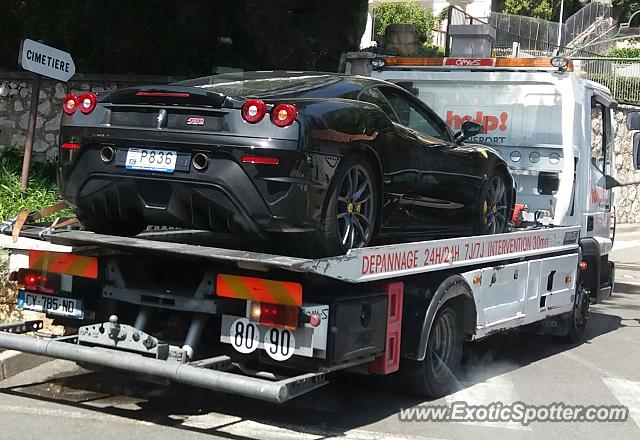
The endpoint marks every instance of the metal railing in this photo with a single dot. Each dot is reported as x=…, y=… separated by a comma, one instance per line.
x=620, y=75
x=533, y=34
x=530, y=33
x=584, y=20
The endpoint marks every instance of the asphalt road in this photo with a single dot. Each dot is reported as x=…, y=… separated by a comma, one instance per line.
x=58, y=400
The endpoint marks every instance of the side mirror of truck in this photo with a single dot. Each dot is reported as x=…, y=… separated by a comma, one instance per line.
x=633, y=121
x=469, y=129
x=611, y=182
x=636, y=151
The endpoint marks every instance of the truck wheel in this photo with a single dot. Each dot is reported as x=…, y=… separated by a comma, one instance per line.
x=579, y=316
x=435, y=376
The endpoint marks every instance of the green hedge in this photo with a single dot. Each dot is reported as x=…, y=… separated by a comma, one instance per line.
x=625, y=52
x=42, y=190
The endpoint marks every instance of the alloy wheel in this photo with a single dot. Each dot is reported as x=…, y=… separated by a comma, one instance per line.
x=495, y=207
x=355, y=211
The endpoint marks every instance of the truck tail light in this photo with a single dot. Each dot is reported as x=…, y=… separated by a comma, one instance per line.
x=284, y=115
x=254, y=110
x=70, y=104
x=37, y=281
x=275, y=315
x=88, y=102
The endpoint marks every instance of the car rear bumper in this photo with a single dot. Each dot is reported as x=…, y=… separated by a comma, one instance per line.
x=228, y=196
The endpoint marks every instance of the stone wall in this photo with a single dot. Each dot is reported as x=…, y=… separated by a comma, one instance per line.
x=15, y=99
x=627, y=199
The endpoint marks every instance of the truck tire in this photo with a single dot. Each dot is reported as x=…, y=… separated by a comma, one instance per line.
x=435, y=376
x=578, y=317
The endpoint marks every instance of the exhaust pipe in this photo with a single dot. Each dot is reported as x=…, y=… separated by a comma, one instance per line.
x=200, y=161
x=107, y=154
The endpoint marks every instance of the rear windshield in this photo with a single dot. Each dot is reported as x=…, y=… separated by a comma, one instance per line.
x=512, y=113
x=263, y=85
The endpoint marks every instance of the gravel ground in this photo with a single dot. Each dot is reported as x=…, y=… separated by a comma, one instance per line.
x=8, y=293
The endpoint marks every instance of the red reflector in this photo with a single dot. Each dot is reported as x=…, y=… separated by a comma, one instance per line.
x=37, y=281
x=71, y=146
x=261, y=160
x=165, y=94
x=275, y=315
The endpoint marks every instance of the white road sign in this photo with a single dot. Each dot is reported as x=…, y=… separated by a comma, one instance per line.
x=46, y=60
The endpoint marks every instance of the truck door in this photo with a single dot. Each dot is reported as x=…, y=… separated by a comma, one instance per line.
x=599, y=203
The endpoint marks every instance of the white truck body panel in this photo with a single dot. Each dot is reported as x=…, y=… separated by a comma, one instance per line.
x=539, y=122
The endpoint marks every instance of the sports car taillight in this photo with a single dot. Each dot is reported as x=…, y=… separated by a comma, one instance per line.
x=88, y=103
x=70, y=104
x=284, y=115
x=254, y=110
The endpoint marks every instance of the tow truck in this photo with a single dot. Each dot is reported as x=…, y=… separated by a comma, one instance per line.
x=172, y=306
x=553, y=129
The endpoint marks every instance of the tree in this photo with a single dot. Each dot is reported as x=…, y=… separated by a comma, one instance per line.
x=186, y=38
x=405, y=12
x=550, y=9
x=529, y=8
x=623, y=9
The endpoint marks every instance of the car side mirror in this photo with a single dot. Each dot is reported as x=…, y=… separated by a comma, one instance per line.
x=633, y=121
x=469, y=129
x=636, y=151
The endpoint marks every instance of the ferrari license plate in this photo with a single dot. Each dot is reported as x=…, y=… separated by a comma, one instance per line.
x=151, y=160
x=51, y=305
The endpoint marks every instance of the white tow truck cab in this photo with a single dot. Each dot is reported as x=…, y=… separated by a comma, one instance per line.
x=168, y=305
x=554, y=130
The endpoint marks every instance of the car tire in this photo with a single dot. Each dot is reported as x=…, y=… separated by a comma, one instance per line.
x=350, y=209
x=107, y=227
x=494, y=207
x=435, y=376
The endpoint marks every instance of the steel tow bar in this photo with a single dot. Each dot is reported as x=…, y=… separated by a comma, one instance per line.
x=262, y=389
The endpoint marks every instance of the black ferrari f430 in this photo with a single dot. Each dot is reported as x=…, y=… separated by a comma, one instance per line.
x=340, y=161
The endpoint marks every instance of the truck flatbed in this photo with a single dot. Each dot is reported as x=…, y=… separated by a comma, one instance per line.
x=357, y=266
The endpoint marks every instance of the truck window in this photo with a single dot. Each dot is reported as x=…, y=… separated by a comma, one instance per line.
x=412, y=117
x=601, y=138
x=513, y=113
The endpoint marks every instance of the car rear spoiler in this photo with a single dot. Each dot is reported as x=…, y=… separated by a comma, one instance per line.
x=165, y=95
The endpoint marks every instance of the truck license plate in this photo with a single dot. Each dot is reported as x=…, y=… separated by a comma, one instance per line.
x=246, y=337
x=51, y=305
x=151, y=160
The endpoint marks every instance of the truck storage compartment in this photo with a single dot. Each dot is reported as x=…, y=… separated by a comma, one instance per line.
x=357, y=328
